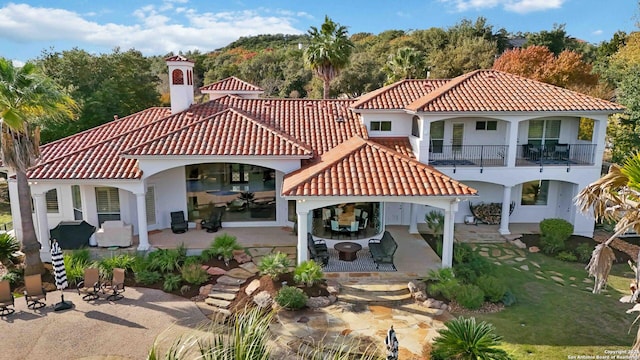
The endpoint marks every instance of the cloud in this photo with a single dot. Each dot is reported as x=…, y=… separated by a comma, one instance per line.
x=157, y=30
x=517, y=6
x=597, y=32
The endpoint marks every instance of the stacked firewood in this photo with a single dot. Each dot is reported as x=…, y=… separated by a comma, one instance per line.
x=490, y=213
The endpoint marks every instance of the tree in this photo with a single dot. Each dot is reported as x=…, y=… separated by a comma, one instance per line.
x=120, y=83
x=406, y=63
x=624, y=128
x=465, y=339
x=462, y=57
x=555, y=40
x=539, y=63
x=26, y=96
x=328, y=52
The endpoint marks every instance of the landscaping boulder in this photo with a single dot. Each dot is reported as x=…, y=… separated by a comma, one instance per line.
x=433, y=303
x=252, y=287
x=419, y=295
x=534, y=249
x=519, y=244
x=416, y=285
x=318, y=302
x=205, y=290
x=216, y=271
x=241, y=256
x=262, y=299
x=333, y=287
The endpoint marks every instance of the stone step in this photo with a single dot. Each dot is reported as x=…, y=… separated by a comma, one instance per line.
x=375, y=293
x=217, y=302
x=250, y=267
x=223, y=296
x=225, y=288
x=239, y=273
x=228, y=280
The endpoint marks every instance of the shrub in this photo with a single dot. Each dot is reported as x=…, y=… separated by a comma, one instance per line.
x=291, y=297
x=469, y=296
x=462, y=253
x=308, y=273
x=445, y=288
x=274, y=265
x=583, y=252
x=493, y=288
x=466, y=339
x=553, y=234
x=74, y=264
x=222, y=247
x=469, y=271
x=189, y=260
x=171, y=282
x=194, y=274
x=123, y=261
x=8, y=247
x=14, y=276
x=146, y=277
x=566, y=256
x=164, y=260
x=508, y=299
x=442, y=274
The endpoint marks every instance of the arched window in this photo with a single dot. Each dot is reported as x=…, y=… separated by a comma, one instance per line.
x=178, y=77
x=415, y=126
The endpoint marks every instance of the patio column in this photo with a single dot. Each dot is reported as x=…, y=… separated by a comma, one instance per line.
x=447, y=235
x=512, y=141
x=504, y=215
x=303, y=226
x=413, y=225
x=40, y=205
x=143, y=236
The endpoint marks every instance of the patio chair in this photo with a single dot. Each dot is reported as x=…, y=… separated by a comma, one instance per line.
x=214, y=222
x=89, y=287
x=335, y=228
x=317, y=250
x=561, y=152
x=363, y=224
x=6, y=299
x=34, y=292
x=115, y=286
x=353, y=229
x=178, y=223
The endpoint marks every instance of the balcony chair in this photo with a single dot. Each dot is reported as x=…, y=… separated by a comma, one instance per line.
x=178, y=223
x=115, y=286
x=34, y=292
x=532, y=152
x=561, y=152
x=6, y=299
x=90, y=286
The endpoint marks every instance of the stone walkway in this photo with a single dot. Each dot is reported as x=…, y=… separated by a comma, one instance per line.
x=507, y=255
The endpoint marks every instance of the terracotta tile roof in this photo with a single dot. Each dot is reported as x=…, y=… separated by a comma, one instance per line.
x=178, y=58
x=97, y=153
x=360, y=167
x=231, y=84
x=226, y=133
x=496, y=91
x=399, y=144
x=398, y=95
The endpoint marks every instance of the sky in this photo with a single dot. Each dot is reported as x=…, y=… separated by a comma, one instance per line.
x=157, y=27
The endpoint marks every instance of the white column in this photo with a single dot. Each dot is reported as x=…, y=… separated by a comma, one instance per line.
x=40, y=204
x=512, y=141
x=447, y=235
x=506, y=207
x=413, y=225
x=303, y=226
x=143, y=236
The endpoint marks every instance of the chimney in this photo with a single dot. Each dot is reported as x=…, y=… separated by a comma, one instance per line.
x=180, y=82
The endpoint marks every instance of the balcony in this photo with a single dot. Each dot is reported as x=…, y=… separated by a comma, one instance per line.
x=468, y=156
x=556, y=155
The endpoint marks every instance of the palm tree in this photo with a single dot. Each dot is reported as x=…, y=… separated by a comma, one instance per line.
x=615, y=197
x=465, y=339
x=406, y=63
x=27, y=97
x=328, y=52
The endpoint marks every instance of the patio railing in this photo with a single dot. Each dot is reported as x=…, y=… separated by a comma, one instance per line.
x=468, y=155
x=556, y=155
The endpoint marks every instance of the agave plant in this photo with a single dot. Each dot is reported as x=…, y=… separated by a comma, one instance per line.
x=8, y=248
x=464, y=338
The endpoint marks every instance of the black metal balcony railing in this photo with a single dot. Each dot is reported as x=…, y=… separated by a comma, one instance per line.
x=468, y=155
x=556, y=155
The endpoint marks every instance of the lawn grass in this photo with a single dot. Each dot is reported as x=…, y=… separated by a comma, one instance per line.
x=553, y=320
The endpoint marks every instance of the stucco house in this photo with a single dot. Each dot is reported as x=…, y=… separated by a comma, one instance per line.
x=385, y=158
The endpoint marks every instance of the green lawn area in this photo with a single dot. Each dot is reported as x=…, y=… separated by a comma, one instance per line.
x=556, y=318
